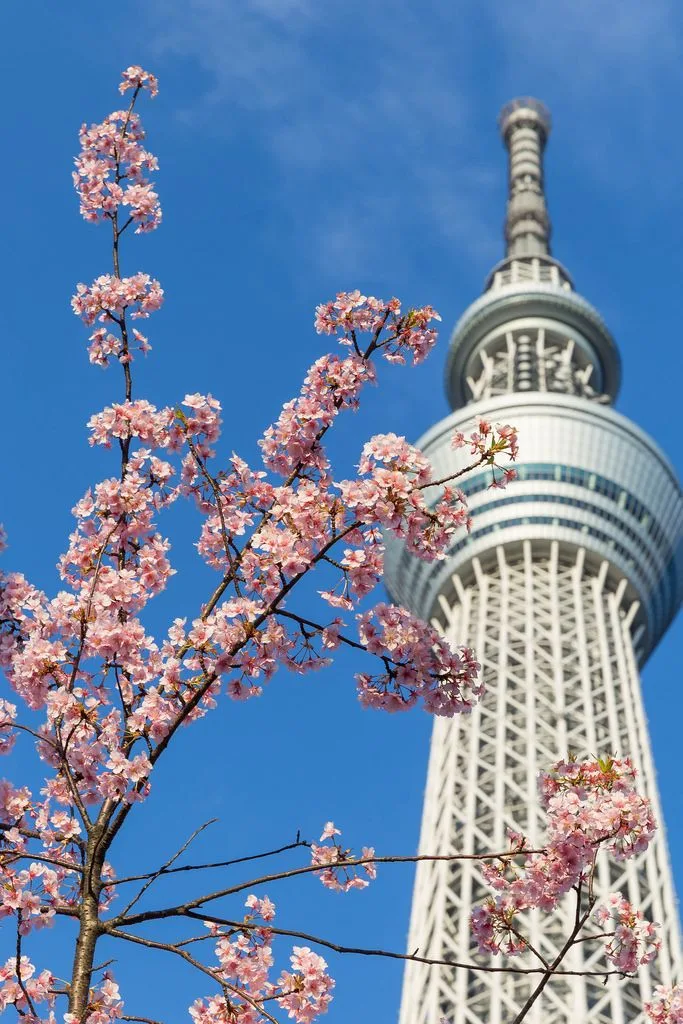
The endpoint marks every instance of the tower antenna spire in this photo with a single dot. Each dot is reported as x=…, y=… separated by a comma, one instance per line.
x=525, y=126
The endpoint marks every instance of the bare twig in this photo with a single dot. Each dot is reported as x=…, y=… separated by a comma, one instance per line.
x=387, y=954
x=143, y=1020
x=579, y=921
x=165, y=867
x=215, y=864
x=22, y=984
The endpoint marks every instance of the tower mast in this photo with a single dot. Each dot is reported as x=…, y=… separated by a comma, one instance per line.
x=564, y=587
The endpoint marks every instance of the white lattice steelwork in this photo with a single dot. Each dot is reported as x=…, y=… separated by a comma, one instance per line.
x=554, y=640
x=565, y=585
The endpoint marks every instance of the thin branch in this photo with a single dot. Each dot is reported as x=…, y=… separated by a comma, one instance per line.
x=528, y=945
x=454, y=476
x=167, y=865
x=387, y=954
x=143, y=1020
x=319, y=627
x=155, y=915
x=215, y=864
x=579, y=921
x=22, y=984
x=166, y=947
x=8, y=857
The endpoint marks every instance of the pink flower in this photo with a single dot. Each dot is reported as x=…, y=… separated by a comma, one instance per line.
x=135, y=78
x=422, y=665
x=666, y=1006
x=635, y=940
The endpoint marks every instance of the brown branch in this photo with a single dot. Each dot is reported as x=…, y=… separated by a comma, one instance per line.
x=165, y=867
x=218, y=498
x=166, y=947
x=579, y=921
x=454, y=476
x=215, y=864
x=365, y=951
x=8, y=857
x=319, y=627
x=143, y=1020
x=180, y=910
x=528, y=945
x=22, y=984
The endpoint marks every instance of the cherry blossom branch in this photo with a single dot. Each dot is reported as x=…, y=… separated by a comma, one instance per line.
x=125, y=809
x=7, y=857
x=166, y=947
x=218, y=504
x=385, y=953
x=18, y=970
x=579, y=921
x=143, y=1020
x=181, y=909
x=318, y=627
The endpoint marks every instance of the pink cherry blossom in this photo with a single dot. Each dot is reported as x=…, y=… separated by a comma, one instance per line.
x=339, y=868
x=396, y=334
x=8, y=714
x=590, y=806
x=135, y=78
x=17, y=988
x=112, y=165
x=421, y=666
x=635, y=941
x=666, y=1006
x=263, y=907
x=108, y=300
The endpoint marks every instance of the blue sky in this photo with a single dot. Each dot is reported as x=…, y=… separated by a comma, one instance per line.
x=305, y=148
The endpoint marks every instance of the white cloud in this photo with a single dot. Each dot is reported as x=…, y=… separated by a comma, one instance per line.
x=613, y=68
x=363, y=93
x=385, y=100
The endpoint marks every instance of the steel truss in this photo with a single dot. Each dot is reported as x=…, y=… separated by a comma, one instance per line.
x=554, y=638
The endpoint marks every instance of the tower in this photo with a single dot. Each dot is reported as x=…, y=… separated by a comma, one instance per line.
x=566, y=583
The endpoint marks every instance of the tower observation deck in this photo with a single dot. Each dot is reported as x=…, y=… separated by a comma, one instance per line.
x=565, y=585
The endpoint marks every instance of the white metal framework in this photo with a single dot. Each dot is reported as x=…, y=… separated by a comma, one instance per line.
x=565, y=585
x=554, y=639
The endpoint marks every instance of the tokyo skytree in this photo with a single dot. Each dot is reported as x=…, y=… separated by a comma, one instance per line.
x=566, y=583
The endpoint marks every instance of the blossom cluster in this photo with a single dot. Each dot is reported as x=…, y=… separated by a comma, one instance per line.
x=597, y=800
x=112, y=165
x=419, y=664
x=590, y=805
x=18, y=989
x=138, y=419
x=488, y=442
x=396, y=334
x=137, y=78
x=245, y=960
x=666, y=1006
x=339, y=871
x=107, y=300
x=104, y=1004
x=635, y=941
x=392, y=494
x=293, y=443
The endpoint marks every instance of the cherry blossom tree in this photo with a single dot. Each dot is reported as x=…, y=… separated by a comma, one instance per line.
x=102, y=700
